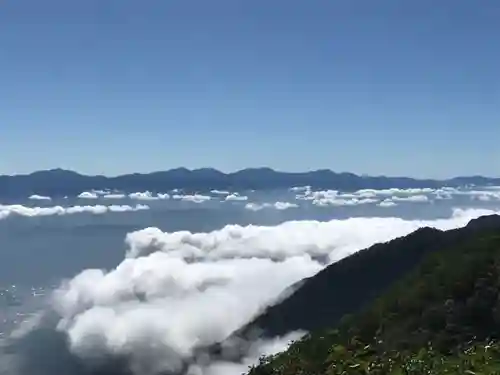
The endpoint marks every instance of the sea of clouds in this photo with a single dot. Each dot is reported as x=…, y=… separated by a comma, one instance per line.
x=391, y=197
x=384, y=198
x=299, y=197
x=305, y=194
x=175, y=294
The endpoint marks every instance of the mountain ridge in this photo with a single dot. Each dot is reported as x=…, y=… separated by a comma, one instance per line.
x=440, y=316
x=59, y=182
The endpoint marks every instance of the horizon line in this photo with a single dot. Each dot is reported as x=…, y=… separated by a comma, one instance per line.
x=194, y=170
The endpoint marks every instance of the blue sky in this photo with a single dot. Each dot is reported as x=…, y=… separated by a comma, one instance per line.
x=379, y=87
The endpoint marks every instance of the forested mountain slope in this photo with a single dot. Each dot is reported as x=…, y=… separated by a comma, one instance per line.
x=442, y=317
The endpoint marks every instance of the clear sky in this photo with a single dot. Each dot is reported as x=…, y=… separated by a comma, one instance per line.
x=379, y=87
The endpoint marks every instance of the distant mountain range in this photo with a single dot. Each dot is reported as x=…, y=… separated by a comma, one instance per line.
x=60, y=182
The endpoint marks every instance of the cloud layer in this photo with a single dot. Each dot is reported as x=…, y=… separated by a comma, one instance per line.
x=305, y=194
x=176, y=293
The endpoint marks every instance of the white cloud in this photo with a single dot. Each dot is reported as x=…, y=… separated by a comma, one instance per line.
x=148, y=196
x=387, y=203
x=323, y=202
x=394, y=191
x=367, y=196
x=277, y=205
x=291, y=238
x=220, y=192
x=20, y=210
x=256, y=206
x=285, y=205
x=180, y=291
x=195, y=198
x=333, y=195
x=88, y=195
x=236, y=197
x=322, y=194
x=101, y=192
x=297, y=189
x=484, y=197
x=156, y=309
x=325, y=198
x=481, y=193
x=39, y=197
x=145, y=196
x=125, y=208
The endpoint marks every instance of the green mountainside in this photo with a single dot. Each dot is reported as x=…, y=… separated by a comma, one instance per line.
x=441, y=317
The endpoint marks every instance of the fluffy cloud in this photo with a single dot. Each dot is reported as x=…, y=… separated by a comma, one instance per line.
x=388, y=196
x=330, y=201
x=104, y=194
x=236, y=197
x=148, y=196
x=220, y=192
x=393, y=191
x=484, y=193
x=101, y=192
x=39, y=197
x=387, y=203
x=334, y=239
x=148, y=309
x=88, y=195
x=277, y=205
x=364, y=196
x=285, y=205
x=324, y=198
x=20, y=210
x=178, y=292
x=313, y=195
x=195, y=198
x=256, y=206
